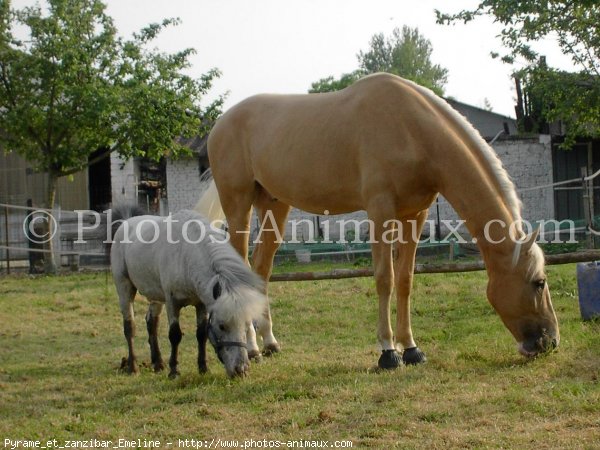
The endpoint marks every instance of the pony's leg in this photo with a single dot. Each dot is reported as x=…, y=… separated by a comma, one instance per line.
x=201, y=336
x=126, y=291
x=404, y=264
x=152, y=317
x=175, y=335
x=379, y=213
x=272, y=215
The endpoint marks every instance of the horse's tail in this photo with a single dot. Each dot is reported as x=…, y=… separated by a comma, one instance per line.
x=209, y=204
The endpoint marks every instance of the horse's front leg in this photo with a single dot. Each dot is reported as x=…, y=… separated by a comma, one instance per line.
x=175, y=336
x=201, y=336
x=273, y=216
x=152, y=317
x=384, y=280
x=404, y=265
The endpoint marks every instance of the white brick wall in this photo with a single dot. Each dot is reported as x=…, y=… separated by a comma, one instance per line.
x=183, y=183
x=124, y=177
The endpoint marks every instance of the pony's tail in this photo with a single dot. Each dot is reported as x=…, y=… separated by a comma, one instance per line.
x=209, y=204
x=115, y=217
x=120, y=213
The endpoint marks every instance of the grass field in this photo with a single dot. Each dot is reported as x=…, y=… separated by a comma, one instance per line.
x=61, y=344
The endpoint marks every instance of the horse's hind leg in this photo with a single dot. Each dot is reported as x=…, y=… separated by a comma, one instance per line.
x=201, y=336
x=126, y=291
x=404, y=264
x=272, y=215
x=152, y=317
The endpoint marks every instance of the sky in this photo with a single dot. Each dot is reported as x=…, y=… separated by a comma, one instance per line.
x=282, y=46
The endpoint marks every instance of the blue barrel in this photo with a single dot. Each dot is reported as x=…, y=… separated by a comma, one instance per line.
x=588, y=282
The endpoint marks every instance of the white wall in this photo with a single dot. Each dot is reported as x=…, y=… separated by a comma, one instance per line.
x=183, y=183
x=124, y=178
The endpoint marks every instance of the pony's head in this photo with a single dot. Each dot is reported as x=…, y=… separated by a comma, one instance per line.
x=518, y=291
x=230, y=317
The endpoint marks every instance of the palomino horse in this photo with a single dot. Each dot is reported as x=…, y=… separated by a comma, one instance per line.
x=388, y=146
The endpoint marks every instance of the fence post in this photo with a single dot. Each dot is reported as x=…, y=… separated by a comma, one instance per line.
x=57, y=239
x=588, y=206
x=6, y=240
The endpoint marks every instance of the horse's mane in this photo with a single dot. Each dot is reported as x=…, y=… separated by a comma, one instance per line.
x=489, y=158
x=242, y=290
x=494, y=167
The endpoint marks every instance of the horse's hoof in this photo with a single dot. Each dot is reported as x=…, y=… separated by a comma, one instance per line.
x=413, y=356
x=389, y=359
x=271, y=349
x=159, y=367
x=202, y=369
x=173, y=375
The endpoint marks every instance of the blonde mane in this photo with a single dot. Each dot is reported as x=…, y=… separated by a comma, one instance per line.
x=488, y=155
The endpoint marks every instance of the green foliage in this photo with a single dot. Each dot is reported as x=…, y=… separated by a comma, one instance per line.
x=331, y=84
x=405, y=53
x=570, y=97
x=73, y=86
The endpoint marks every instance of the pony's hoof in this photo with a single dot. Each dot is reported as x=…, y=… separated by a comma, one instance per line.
x=389, y=359
x=254, y=355
x=159, y=366
x=271, y=349
x=413, y=356
x=202, y=369
x=128, y=366
x=173, y=375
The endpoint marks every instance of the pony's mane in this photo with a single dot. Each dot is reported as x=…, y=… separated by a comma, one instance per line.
x=489, y=156
x=242, y=290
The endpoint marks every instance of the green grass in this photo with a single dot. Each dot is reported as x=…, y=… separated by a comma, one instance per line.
x=61, y=344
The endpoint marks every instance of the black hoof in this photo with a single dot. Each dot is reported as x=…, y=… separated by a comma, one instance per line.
x=173, y=375
x=271, y=349
x=159, y=366
x=389, y=359
x=413, y=356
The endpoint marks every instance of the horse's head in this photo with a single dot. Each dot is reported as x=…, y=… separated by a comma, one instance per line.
x=518, y=291
x=229, y=318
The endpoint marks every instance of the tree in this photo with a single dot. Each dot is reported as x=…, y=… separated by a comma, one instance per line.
x=72, y=86
x=573, y=98
x=405, y=53
x=331, y=84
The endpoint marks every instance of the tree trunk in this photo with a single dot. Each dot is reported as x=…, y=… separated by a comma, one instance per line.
x=49, y=263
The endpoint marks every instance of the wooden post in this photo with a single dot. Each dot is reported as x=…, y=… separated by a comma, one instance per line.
x=590, y=185
x=6, y=240
x=587, y=207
